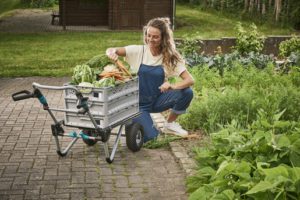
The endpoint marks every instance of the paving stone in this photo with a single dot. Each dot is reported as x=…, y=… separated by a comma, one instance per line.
x=31, y=169
x=15, y=197
x=92, y=193
x=4, y=197
x=48, y=189
x=32, y=194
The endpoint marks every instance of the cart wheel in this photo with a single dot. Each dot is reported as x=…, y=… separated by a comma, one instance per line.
x=88, y=141
x=134, y=136
x=105, y=135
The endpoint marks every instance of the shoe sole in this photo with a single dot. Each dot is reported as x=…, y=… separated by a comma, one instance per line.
x=170, y=132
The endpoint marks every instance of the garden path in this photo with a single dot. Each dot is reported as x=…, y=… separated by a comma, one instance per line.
x=31, y=169
x=37, y=21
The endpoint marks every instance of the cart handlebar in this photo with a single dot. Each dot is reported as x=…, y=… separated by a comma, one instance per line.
x=82, y=102
x=37, y=85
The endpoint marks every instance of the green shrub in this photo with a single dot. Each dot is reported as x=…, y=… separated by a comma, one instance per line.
x=239, y=94
x=257, y=162
x=248, y=40
x=287, y=47
x=190, y=50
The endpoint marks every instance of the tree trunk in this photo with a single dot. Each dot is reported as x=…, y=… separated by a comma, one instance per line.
x=222, y=5
x=246, y=4
x=212, y=3
x=263, y=8
x=277, y=10
x=270, y=5
x=251, y=5
x=286, y=9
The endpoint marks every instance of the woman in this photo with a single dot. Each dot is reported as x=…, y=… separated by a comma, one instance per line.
x=154, y=63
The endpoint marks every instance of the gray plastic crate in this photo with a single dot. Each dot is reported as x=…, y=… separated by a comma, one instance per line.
x=108, y=105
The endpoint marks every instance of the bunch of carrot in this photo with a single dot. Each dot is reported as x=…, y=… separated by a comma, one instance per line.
x=120, y=73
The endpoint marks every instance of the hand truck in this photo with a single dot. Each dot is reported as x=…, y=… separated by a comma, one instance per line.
x=91, y=130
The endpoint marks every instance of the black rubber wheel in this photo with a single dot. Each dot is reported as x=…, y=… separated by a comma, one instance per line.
x=105, y=135
x=134, y=136
x=88, y=141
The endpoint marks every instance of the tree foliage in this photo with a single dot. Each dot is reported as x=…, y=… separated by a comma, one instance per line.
x=279, y=11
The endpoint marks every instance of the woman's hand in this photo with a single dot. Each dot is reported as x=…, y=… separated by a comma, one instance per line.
x=112, y=54
x=165, y=87
x=187, y=81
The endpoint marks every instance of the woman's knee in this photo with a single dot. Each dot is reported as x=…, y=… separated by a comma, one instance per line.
x=188, y=93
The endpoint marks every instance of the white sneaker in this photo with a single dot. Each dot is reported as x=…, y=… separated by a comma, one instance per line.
x=174, y=128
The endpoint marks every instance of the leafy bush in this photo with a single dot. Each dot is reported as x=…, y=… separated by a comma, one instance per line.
x=294, y=58
x=248, y=40
x=287, y=47
x=190, y=50
x=239, y=94
x=259, y=162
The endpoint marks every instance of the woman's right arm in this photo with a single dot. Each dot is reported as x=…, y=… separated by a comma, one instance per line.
x=114, y=52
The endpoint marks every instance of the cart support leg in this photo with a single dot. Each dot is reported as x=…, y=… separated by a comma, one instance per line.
x=110, y=158
x=66, y=150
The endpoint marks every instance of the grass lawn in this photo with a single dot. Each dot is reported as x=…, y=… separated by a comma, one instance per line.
x=6, y=6
x=192, y=22
x=55, y=54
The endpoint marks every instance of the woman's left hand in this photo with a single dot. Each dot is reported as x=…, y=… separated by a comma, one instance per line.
x=165, y=87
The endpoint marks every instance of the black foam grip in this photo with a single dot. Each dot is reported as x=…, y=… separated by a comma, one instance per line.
x=24, y=94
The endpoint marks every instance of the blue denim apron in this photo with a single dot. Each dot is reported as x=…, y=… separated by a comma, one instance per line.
x=154, y=101
x=150, y=79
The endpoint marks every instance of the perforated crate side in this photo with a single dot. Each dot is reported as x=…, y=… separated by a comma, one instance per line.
x=83, y=121
x=107, y=93
x=104, y=108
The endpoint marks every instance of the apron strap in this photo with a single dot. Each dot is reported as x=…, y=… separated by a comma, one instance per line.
x=142, y=55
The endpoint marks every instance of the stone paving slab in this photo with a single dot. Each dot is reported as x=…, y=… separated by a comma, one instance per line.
x=31, y=169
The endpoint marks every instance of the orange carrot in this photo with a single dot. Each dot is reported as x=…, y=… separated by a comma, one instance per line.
x=123, y=68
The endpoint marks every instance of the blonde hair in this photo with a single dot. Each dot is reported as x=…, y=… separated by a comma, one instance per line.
x=168, y=49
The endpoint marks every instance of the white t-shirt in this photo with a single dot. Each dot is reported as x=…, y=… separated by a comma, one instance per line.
x=134, y=56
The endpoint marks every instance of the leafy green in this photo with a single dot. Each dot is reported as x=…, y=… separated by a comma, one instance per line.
x=257, y=162
x=83, y=73
x=105, y=82
x=98, y=62
x=85, y=87
x=287, y=47
x=160, y=142
x=249, y=40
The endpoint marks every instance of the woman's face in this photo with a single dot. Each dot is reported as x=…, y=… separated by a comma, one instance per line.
x=153, y=37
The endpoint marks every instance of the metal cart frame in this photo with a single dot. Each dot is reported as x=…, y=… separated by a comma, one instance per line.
x=134, y=132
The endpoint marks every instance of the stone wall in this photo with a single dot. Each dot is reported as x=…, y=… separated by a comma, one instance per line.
x=271, y=46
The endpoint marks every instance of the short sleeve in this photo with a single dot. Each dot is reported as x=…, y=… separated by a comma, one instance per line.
x=134, y=56
x=178, y=69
